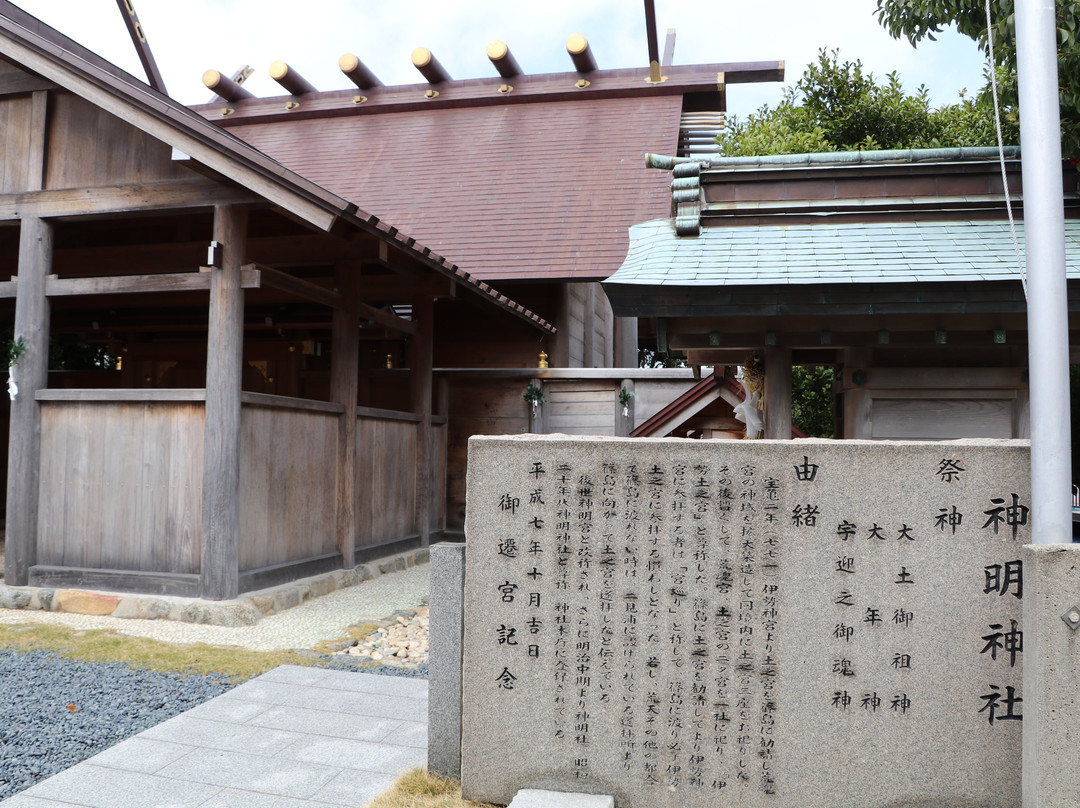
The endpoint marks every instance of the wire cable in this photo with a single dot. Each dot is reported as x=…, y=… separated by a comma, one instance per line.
x=1001, y=148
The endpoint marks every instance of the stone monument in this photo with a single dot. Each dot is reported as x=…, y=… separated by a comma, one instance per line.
x=758, y=623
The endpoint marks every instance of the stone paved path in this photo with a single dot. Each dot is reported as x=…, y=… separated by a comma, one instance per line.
x=291, y=738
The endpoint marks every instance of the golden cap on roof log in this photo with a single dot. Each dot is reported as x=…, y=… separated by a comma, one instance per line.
x=290, y=79
x=581, y=54
x=224, y=86
x=358, y=72
x=503, y=60
x=429, y=67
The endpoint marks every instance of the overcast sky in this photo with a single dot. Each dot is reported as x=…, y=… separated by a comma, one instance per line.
x=191, y=36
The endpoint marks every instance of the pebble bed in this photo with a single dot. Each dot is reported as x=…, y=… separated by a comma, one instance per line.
x=55, y=712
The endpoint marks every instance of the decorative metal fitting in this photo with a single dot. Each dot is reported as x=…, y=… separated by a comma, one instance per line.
x=359, y=99
x=1072, y=617
x=506, y=88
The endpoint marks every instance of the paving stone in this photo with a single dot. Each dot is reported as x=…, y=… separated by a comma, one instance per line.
x=378, y=757
x=250, y=772
x=353, y=788
x=99, y=787
x=140, y=754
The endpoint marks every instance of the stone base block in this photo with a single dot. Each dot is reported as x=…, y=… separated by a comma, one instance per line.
x=537, y=798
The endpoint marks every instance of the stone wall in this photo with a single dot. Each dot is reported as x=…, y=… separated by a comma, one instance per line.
x=714, y=623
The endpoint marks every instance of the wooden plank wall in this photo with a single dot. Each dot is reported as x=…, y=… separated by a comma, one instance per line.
x=385, y=479
x=941, y=416
x=15, y=135
x=288, y=461
x=584, y=407
x=574, y=325
x=478, y=407
x=121, y=485
x=935, y=403
x=90, y=147
x=603, y=332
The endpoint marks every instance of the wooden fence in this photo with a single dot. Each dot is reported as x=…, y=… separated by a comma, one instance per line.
x=121, y=487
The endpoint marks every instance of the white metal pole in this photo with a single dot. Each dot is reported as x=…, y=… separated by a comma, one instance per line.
x=1044, y=232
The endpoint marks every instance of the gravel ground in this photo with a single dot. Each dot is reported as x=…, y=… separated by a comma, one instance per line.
x=40, y=733
x=55, y=712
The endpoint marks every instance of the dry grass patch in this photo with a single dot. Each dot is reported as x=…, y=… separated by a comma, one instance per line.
x=418, y=788
x=101, y=645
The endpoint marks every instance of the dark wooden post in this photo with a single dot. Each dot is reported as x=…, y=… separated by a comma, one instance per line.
x=344, y=363
x=31, y=375
x=778, y=393
x=420, y=385
x=221, y=449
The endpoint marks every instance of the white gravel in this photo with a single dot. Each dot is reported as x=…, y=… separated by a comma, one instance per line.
x=302, y=627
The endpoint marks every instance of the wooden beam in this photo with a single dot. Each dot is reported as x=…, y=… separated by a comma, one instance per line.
x=139, y=284
x=283, y=281
x=23, y=83
x=385, y=318
x=344, y=375
x=24, y=441
x=142, y=47
x=219, y=575
x=164, y=195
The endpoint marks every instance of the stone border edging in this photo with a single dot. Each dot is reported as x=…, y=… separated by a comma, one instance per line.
x=244, y=611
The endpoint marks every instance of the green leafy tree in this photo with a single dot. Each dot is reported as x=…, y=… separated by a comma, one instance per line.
x=916, y=20
x=812, y=400
x=838, y=106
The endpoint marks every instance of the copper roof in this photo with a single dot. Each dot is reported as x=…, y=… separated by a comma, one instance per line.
x=522, y=191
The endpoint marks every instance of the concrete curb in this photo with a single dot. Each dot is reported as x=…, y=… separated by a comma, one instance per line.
x=245, y=611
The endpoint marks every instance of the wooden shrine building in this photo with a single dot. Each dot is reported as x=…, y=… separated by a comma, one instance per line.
x=896, y=268
x=218, y=446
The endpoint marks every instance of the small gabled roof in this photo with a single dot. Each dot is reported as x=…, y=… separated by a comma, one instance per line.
x=693, y=401
x=30, y=43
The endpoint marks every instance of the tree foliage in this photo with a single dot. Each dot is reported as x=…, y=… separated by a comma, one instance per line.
x=812, y=400
x=916, y=20
x=838, y=106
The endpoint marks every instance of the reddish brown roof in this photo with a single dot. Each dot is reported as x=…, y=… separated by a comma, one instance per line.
x=27, y=41
x=537, y=190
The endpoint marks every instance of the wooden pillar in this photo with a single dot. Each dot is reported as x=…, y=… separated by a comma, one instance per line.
x=588, y=324
x=221, y=444
x=624, y=424
x=420, y=385
x=559, y=353
x=857, y=402
x=626, y=342
x=778, y=393
x=344, y=364
x=31, y=374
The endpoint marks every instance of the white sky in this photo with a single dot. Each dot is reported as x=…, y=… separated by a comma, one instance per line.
x=191, y=36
